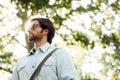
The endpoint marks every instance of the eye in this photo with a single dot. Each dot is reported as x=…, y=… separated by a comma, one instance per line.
x=34, y=26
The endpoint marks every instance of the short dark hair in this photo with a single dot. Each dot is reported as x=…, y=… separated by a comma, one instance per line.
x=46, y=23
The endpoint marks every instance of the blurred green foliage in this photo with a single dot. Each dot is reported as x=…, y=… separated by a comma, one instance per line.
x=103, y=15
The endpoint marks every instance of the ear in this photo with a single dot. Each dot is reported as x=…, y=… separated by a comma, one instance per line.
x=45, y=31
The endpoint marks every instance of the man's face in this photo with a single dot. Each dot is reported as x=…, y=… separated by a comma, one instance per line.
x=35, y=31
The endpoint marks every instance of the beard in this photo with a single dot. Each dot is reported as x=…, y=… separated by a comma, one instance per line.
x=35, y=37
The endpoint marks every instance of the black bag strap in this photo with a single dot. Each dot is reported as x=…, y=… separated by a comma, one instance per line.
x=41, y=64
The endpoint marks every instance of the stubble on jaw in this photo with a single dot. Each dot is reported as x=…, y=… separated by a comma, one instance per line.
x=33, y=37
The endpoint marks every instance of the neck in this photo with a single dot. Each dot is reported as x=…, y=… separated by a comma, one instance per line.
x=38, y=44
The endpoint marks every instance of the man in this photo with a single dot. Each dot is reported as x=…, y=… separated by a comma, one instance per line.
x=59, y=66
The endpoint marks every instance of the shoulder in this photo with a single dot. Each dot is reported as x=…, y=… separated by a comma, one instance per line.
x=61, y=52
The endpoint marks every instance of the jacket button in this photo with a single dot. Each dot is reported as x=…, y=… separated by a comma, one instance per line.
x=32, y=66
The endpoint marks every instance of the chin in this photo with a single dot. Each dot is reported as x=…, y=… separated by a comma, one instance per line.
x=30, y=39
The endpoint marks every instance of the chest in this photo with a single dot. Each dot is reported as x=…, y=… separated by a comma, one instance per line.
x=28, y=66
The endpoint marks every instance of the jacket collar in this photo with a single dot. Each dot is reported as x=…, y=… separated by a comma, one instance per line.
x=43, y=48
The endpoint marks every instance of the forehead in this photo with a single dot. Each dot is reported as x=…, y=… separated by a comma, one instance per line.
x=34, y=22
x=30, y=23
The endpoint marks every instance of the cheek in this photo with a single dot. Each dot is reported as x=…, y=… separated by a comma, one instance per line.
x=38, y=33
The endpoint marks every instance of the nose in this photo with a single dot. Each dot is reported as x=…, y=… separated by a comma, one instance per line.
x=28, y=30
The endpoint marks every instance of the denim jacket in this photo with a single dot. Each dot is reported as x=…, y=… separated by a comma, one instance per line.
x=58, y=67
